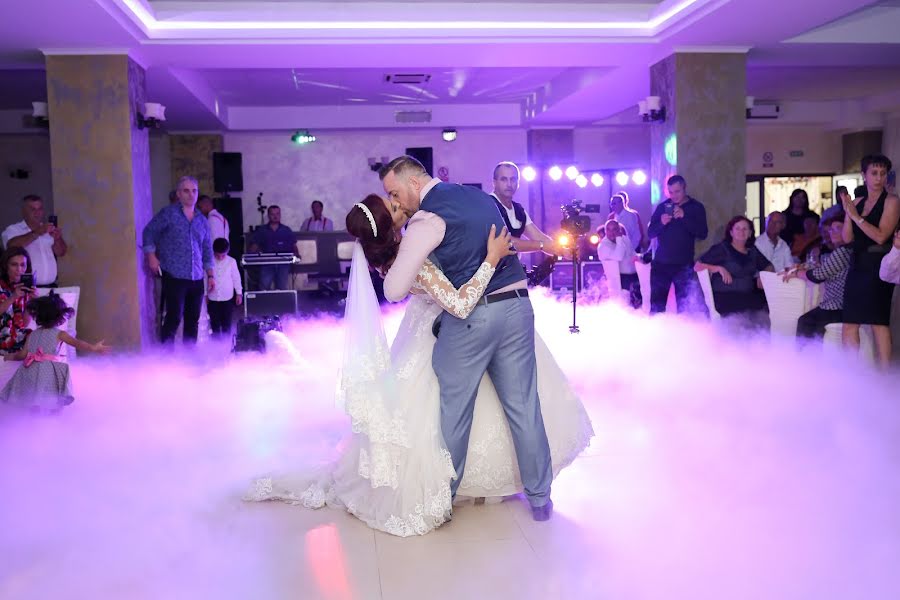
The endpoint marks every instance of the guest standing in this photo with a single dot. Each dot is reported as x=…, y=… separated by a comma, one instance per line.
x=868, y=227
x=317, y=222
x=176, y=242
x=621, y=211
x=218, y=224
x=677, y=224
x=229, y=291
x=43, y=241
x=796, y=213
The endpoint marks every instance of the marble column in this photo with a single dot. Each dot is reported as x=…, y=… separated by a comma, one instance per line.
x=192, y=154
x=101, y=189
x=704, y=136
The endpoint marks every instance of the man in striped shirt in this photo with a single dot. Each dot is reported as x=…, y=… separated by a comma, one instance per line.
x=832, y=273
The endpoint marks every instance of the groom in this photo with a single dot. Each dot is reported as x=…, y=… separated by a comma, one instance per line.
x=454, y=222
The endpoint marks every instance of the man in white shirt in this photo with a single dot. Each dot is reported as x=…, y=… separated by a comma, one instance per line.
x=616, y=246
x=519, y=224
x=43, y=241
x=890, y=264
x=629, y=219
x=772, y=246
x=218, y=224
x=317, y=222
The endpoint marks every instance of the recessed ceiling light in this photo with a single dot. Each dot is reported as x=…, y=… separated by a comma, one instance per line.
x=356, y=100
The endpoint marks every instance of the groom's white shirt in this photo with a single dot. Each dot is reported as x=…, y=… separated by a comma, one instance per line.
x=424, y=232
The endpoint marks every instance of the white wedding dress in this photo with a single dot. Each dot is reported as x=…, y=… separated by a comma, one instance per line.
x=395, y=472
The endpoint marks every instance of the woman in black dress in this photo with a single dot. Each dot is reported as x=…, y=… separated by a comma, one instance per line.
x=734, y=265
x=868, y=227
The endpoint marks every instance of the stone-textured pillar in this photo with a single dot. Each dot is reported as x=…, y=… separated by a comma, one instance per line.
x=192, y=155
x=101, y=188
x=704, y=137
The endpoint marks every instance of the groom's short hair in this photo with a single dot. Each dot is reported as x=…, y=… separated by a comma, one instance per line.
x=402, y=165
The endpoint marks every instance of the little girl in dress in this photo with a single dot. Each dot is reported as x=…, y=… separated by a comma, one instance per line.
x=41, y=383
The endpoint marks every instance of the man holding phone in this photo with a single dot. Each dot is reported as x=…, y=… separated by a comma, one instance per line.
x=42, y=240
x=677, y=224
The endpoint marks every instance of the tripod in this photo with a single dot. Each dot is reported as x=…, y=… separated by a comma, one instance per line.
x=576, y=281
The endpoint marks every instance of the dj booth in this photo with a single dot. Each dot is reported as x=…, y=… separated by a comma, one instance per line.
x=324, y=260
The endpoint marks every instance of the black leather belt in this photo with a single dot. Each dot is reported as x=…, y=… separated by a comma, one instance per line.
x=485, y=300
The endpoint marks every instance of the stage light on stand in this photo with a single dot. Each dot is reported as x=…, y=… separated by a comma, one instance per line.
x=594, y=239
x=529, y=174
x=555, y=173
x=572, y=173
x=597, y=179
x=622, y=178
x=639, y=177
x=563, y=241
x=581, y=181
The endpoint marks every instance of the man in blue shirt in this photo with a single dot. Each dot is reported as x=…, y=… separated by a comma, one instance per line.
x=272, y=238
x=676, y=225
x=178, y=248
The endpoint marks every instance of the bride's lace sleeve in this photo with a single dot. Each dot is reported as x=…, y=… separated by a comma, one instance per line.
x=460, y=303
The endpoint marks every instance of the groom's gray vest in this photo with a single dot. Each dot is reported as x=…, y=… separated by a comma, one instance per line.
x=469, y=214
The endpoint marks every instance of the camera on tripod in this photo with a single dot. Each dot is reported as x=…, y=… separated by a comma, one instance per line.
x=574, y=223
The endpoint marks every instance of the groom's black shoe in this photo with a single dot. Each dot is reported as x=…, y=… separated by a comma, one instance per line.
x=542, y=513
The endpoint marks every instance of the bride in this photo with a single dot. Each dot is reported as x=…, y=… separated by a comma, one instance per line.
x=395, y=472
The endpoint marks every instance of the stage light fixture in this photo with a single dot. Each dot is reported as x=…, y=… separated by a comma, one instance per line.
x=302, y=136
x=595, y=239
x=529, y=174
x=597, y=179
x=449, y=135
x=571, y=173
x=563, y=241
x=581, y=181
x=639, y=177
x=555, y=173
x=622, y=178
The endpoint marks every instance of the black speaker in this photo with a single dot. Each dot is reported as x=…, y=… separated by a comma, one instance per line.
x=424, y=156
x=227, y=173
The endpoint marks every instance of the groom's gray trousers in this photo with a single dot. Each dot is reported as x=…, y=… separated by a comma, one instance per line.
x=497, y=338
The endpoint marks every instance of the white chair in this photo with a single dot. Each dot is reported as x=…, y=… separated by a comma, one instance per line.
x=834, y=341
x=70, y=296
x=643, y=272
x=706, y=286
x=787, y=302
x=613, y=278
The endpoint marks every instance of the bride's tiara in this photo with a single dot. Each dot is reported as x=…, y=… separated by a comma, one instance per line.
x=370, y=216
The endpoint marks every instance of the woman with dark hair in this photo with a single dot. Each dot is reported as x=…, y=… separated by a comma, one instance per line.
x=14, y=295
x=796, y=213
x=395, y=474
x=869, y=226
x=734, y=264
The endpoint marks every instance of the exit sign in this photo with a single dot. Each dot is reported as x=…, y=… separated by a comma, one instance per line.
x=796, y=153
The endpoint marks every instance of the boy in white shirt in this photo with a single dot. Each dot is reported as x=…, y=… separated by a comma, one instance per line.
x=228, y=291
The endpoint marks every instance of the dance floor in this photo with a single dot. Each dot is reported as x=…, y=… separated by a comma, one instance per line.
x=724, y=467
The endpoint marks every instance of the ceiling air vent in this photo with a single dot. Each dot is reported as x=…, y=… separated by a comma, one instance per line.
x=412, y=116
x=408, y=78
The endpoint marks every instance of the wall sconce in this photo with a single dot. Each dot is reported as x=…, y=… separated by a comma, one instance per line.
x=651, y=110
x=448, y=135
x=153, y=115
x=39, y=114
x=376, y=165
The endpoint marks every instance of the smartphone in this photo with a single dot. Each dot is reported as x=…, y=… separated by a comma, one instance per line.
x=28, y=280
x=53, y=220
x=670, y=209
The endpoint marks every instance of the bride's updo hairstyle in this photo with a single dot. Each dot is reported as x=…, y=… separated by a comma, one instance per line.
x=381, y=249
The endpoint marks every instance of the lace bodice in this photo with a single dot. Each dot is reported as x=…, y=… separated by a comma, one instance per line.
x=458, y=302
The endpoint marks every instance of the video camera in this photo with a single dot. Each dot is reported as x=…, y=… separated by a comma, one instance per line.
x=573, y=222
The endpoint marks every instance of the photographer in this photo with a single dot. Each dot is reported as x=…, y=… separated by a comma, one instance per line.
x=676, y=225
x=43, y=241
x=16, y=289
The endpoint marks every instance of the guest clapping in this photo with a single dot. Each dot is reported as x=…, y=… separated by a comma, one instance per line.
x=868, y=227
x=734, y=265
